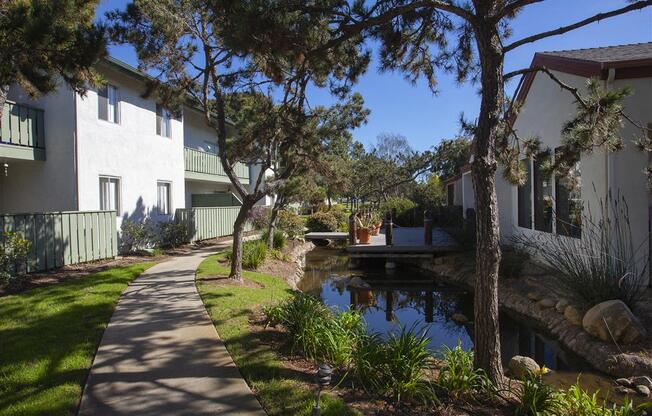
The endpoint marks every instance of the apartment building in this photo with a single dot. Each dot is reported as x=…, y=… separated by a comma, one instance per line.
x=111, y=149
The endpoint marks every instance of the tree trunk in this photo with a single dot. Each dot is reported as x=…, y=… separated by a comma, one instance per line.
x=271, y=229
x=238, y=231
x=4, y=91
x=487, y=333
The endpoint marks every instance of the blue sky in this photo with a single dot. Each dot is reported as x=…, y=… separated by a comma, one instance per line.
x=413, y=111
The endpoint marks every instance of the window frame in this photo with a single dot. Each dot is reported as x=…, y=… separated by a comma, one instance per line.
x=118, y=192
x=163, y=118
x=104, y=94
x=168, y=185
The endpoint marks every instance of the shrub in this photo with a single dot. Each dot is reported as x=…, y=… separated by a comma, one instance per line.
x=603, y=265
x=458, y=376
x=13, y=251
x=290, y=223
x=341, y=216
x=279, y=239
x=536, y=398
x=253, y=254
x=172, y=234
x=136, y=235
x=512, y=262
x=401, y=208
x=259, y=217
x=322, y=221
x=395, y=369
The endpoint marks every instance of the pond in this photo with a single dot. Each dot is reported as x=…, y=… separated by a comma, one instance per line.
x=391, y=299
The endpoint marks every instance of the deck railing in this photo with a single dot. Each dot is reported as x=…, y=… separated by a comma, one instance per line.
x=208, y=163
x=22, y=125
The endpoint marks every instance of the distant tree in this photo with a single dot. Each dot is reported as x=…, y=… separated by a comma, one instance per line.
x=391, y=146
x=44, y=41
x=450, y=155
x=471, y=39
x=256, y=59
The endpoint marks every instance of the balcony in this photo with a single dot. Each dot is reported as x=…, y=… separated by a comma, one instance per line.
x=22, y=133
x=203, y=166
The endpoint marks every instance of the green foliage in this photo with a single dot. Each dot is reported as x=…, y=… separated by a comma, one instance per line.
x=395, y=369
x=450, y=156
x=279, y=239
x=603, y=265
x=512, y=262
x=458, y=377
x=13, y=253
x=402, y=207
x=341, y=216
x=172, y=234
x=136, y=235
x=254, y=253
x=259, y=217
x=322, y=221
x=290, y=223
x=536, y=398
x=41, y=41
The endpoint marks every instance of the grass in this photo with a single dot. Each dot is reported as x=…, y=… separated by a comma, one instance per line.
x=48, y=337
x=280, y=390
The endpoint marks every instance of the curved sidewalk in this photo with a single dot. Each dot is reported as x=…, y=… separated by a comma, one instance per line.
x=161, y=355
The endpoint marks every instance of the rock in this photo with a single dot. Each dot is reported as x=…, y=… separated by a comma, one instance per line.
x=643, y=390
x=460, y=318
x=625, y=382
x=613, y=319
x=572, y=315
x=357, y=282
x=534, y=296
x=624, y=390
x=561, y=305
x=642, y=381
x=520, y=366
x=546, y=303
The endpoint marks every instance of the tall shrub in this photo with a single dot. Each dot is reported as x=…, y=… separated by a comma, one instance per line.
x=402, y=209
x=13, y=251
x=322, y=221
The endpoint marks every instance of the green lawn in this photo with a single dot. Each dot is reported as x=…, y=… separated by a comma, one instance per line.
x=48, y=337
x=279, y=389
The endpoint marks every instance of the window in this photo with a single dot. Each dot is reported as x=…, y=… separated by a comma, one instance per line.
x=525, y=198
x=163, y=198
x=542, y=194
x=109, y=194
x=162, y=121
x=568, y=191
x=108, y=104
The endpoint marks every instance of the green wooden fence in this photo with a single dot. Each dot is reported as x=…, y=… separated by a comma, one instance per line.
x=206, y=223
x=22, y=125
x=60, y=238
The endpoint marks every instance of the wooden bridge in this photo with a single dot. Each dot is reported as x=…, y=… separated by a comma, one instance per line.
x=394, y=243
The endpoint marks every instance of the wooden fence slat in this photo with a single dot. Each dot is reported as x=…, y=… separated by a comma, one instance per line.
x=209, y=222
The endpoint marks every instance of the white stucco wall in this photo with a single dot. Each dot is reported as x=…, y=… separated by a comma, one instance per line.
x=468, y=194
x=130, y=150
x=39, y=186
x=545, y=110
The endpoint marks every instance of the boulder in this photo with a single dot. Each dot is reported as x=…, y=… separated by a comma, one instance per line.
x=624, y=390
x=521, y=366
x=561, y=305
x=546, y=303
x=642, y=381
x=460, y=318
x=643, y=390
x=573, y=315
x=613, y=319
x=625, y=382
x=358, y=283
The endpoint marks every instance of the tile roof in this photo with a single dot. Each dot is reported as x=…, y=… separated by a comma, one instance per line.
x=633, y=52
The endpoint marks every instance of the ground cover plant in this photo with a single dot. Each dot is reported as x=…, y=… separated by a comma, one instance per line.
x=254, y=253
x=48, y=337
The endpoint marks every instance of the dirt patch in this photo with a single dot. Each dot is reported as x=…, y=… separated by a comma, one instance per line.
x=224, y=281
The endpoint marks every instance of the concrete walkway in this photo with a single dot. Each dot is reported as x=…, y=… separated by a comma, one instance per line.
x=161, y=355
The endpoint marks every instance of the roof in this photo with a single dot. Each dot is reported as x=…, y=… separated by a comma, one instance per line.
x=626, y=61
x=608, y=54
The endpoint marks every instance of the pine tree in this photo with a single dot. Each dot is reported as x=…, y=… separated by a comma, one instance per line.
x=44, y=41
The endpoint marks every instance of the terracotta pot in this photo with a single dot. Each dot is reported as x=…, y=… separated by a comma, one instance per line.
x=375, y=230
x=364, y=235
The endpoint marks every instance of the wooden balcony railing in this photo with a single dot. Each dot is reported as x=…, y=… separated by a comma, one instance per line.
x=206, y=163
x=22, y=125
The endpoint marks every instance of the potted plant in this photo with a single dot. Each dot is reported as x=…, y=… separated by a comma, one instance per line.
x=376, y=221
x=364, y=228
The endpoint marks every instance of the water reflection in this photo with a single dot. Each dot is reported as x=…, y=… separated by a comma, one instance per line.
x=403, y=297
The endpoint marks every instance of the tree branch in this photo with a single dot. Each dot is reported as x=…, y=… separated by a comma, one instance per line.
x=512, y=7
x=600, y=16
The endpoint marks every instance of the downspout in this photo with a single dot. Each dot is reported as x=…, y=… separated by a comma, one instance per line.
x=611, y=76
x=76, y=150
